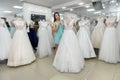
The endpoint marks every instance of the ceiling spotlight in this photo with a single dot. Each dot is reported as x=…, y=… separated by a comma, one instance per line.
x=117, y=4
x=104, y=7
x=61, y=14
x=7, y=11
x=113, y=1
x=64, y=7
x=87, y=6
x=97, y=12
x=21, y=0
x=90, y=10
x=71, y=9
x=18, y=7
x=103, y=13
x=81, y=3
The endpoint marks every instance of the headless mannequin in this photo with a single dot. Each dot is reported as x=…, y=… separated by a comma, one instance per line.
x=68, y=20
x=2, y=23
x=19, y=23
x=111, y=21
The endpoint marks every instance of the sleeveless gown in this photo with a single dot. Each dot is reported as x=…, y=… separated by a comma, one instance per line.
x=84, y=41
x=109, y=51
x=5, y=41
x=98, y=32
x=69, y=57
x=44, y=47
x=21, y=51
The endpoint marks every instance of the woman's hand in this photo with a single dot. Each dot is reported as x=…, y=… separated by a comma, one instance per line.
x=54, y=27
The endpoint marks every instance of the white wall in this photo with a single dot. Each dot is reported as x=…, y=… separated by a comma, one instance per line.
x=68, y=14
x=29, y=9
x=9, y=17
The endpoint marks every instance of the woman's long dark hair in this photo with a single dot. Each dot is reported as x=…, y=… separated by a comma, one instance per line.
x=55, y=14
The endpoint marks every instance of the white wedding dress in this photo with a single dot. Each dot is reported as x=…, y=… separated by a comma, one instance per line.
x=118, y=34
x=5, y=41
x=50, y=34
x=44, y=47
x=109, y=51
x=21, y=52
x=69, y=56
x=98, y=33
x=87, y=27
x=84, y=41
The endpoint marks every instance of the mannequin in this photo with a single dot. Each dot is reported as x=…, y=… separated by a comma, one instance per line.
x=68, y=20
x=44, y=47
x=98, y=32
x=50, y=33
x=21, y=52
x=5, y=40
x=83, y=36
x=109, y=51
x=2, y=23
x=68, y=57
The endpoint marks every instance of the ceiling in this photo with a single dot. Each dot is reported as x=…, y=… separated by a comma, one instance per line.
x=110, y=7
x=59, y=5
x=8, y=4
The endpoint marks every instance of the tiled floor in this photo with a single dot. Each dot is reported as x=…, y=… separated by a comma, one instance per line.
x=42, y=69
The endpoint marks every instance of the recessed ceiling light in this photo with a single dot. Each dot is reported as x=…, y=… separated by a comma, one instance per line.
x=117, y=4
x=81, y=3
x=87, y=6
x=61, y=14
x=21, y=0
x=103, y=13
x=71, y=9
x=7, y=11
x=104, y=7
x=64, y=7
x=113, y=1
x=97, y=12
x=18, y=7
x=90, y=10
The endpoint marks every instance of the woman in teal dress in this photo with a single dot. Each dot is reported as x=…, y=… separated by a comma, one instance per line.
x=58, y=28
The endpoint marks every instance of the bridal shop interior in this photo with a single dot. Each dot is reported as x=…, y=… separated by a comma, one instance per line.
x=60, y=40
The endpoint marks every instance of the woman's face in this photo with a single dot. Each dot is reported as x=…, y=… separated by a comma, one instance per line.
x=57, y=17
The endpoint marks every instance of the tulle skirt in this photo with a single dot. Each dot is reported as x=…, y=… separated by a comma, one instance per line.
x=51, y=39
x=85, y=43
x=44, y=48
x=87, y=28
x=21, y=52
x=109, y=51
x=97, y=36
x=118, y=34
x=69, y=57
x=5, y=43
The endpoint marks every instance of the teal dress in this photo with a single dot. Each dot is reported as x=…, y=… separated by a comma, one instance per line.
x=59, y=32
x=9, y=28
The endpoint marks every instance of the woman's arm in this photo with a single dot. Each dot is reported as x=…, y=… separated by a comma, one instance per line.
x=54, y=27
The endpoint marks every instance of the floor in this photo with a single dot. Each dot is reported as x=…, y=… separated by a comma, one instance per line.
x=42, y=69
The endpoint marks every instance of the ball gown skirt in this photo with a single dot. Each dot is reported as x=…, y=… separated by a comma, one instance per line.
x=5, y=43
x=21, y=52
x=50, y=35
x=85, y=43
x=44, y=48
x=97, y=36
x=109, y=51
x=69, y=57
